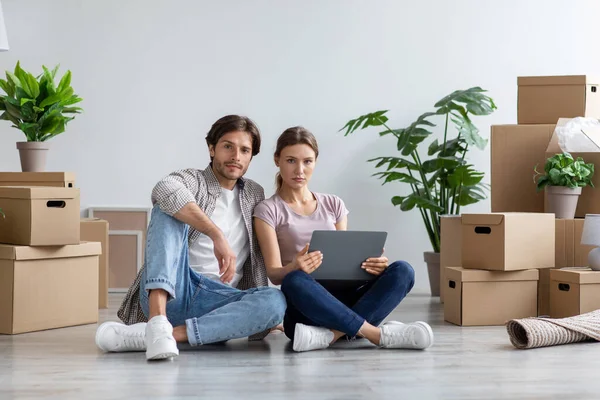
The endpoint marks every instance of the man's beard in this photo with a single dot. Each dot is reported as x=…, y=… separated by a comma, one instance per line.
x=222, y=169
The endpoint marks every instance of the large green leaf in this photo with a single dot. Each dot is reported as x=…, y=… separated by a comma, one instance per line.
x=464, y=175
x=12, y=109
x=397, y=200
x=8, y=89
x=474, y=99
x=469, y=132
x=65, y=82
x=415, y=200
x=391, y=176
x=438, y=163
x=376, y=118
x=72, y=100
x=397, y=162
x=471, y=195
x=7, y=116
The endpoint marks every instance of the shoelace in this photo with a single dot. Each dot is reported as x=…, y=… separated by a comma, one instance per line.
x=133, y=339
x=407, y=334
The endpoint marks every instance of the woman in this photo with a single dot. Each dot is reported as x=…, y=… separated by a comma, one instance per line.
x=318, y=314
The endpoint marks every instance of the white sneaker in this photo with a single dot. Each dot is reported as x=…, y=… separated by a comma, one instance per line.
x=118, y=337
x=160, y=342
x=396, y=335
x=311, y=337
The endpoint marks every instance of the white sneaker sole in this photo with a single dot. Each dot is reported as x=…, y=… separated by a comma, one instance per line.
x=162, y=354
x=425, y=325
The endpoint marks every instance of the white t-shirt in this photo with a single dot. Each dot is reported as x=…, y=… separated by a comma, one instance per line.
x=228, y=217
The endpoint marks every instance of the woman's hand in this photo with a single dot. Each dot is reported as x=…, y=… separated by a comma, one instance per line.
x=376, y=265
x=306, y=261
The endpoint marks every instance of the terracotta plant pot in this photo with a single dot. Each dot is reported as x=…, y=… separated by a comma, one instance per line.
x=433, y=268
x=562, y=201
x=33, y=156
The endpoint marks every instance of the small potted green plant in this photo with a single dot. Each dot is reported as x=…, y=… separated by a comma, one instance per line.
x=39, y=108
x=563, y=181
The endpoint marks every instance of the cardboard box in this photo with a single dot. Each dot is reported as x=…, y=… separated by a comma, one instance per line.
x=589, y=200
x=48, y=287
x=450, y=247
x=477, y=297
x=39, y=216
x=96, y=230
x=515, y=151
x=508, y=241
x=545, y=99
x=544, y=292
x=54, y=179
x=574, y=292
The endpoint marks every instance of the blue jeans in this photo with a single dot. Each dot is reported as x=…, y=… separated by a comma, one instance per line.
x=211, y=311
x=344, y=306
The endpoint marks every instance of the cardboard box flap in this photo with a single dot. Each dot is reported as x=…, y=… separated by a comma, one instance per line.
x=557, y=80
x=38, y=192
x=588, y=138
x=579, y=276
x=483, y=219
x=36, y=176
x=10, y=252
x=460, y=274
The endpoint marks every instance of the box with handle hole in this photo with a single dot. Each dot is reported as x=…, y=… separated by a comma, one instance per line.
x=480, y=298
x=508, y=241
x=39, y=216
x=573, y=292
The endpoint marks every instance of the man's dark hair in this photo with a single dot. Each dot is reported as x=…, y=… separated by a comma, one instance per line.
x=231, y=123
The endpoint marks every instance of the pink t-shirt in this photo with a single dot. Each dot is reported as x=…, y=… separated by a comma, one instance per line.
x=295, y=230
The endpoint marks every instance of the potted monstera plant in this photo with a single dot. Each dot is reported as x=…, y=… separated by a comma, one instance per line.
x=563, y=181
x=38, y=107
x=446, y=181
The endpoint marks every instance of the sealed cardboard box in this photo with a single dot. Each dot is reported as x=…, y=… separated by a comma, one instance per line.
x=96, y=230
x=450, y=247
x=588, y=142
x=545, y=99
x=39, y=216
x=574, y=292
x=515, y=151
x=55, y=179
x=477, y=297
x=508, y=241
x=48, y=287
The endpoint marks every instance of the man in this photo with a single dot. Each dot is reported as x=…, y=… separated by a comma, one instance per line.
x=200, y=249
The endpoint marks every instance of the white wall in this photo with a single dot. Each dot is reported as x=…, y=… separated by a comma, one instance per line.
x=155, y=74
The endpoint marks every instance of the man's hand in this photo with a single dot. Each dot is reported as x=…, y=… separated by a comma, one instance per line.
x=306, y=261
x=376, y=265
x=226, y=258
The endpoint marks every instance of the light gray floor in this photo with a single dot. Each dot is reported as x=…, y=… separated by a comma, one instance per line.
x=464, y=363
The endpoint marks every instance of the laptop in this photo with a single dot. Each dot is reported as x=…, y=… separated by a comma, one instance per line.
x=344, y=252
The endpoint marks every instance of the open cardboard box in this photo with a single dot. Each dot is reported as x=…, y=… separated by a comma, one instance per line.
x=589, y=201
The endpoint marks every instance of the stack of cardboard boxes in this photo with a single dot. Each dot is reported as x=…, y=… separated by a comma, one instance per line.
x=50, y=269
x=519, y=260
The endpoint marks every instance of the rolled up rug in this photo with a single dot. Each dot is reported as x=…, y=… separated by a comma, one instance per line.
x=529, y=333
